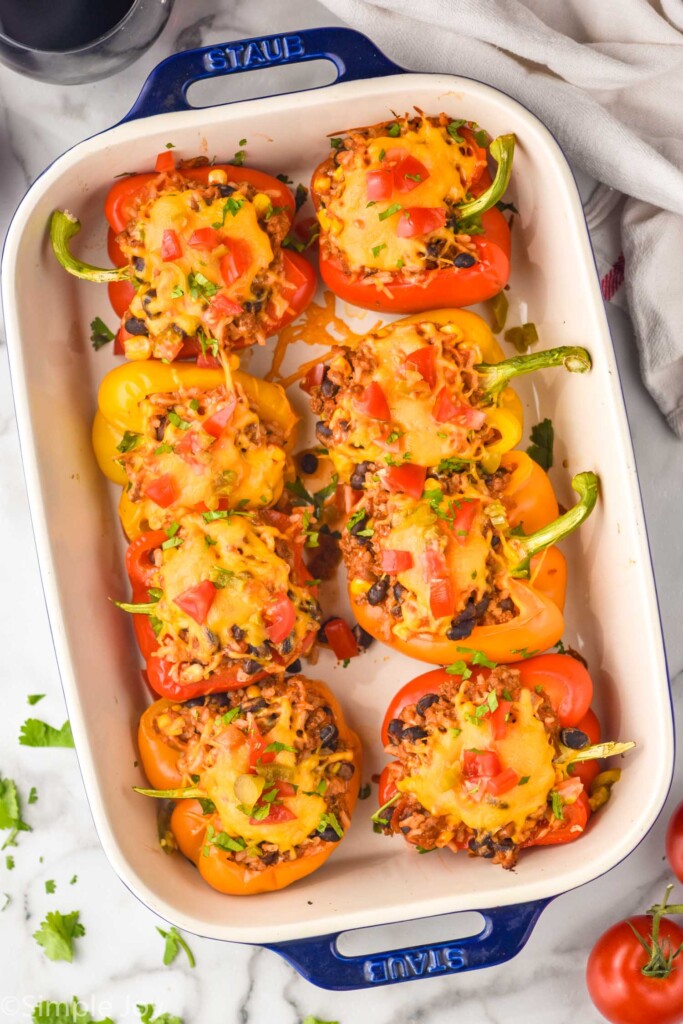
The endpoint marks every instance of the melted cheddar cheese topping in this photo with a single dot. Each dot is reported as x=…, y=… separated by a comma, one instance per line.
x=526, y=748
x=412, y=433
x=238, y=555
x=369, y=240
x=244, y=467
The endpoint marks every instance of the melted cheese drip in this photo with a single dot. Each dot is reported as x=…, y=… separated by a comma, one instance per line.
x=174, y=212
x=526, y=748
x=414, y=528
x=410, y=400
x=219, y=783
x=245, y=549
x=361, y=229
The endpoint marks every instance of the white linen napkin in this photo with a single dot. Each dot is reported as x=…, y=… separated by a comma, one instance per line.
x=606, y=77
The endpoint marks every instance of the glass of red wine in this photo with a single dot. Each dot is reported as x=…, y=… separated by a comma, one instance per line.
x=73, y=41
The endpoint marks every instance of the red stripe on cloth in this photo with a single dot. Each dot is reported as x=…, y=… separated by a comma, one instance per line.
x=613, y=279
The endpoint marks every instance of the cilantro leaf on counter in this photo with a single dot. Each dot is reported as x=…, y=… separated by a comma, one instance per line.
x=65, y=1013
x=317, y=1020
x=541, y=447
x=174, y=943
x=10, y=811
x=33, y=698
x=146, y=1011
x=33, y=795
x=35, y=733
x=57, y=933
x=101, y=335
x=50, y=886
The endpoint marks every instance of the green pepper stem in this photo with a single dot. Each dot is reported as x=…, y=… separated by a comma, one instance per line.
x=495, y=377
x=188, y=793
x=596, y=750
x=586, y=486
x=502, y=150
x=63, y=227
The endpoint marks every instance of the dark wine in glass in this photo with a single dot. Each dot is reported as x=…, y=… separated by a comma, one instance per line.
x=60, y=24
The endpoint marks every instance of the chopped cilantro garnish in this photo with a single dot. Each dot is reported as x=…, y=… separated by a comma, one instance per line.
x=394, y=130
x=163, y=449
x=238, y=158
x=276, y=747
x=172, y=542
x=399, y=264
x=478, y=658
x=558, y=805
x=50, y=886
x=459, y=668
x=524, y=779
x=284, y=179
x=231, y=715
x=222, y=578
x=177, y=292
x=542, y=440
x=389, y=212
x=226, y=842
x=300, y=196
x=9, y=862
x=33, y=795
x=455, y=732
x=128, y=442
x=174, y=943
x=176, y=420
x=451, y=465
x=100, y=334
x=330, y=820
x=33, y=698
x=57, y=933
x=336, y=143
x=376, y=249
x=454, y=129
x=231, y=206
x=200, y=285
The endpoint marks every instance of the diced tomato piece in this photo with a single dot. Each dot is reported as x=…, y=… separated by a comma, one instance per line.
x=216, y=424
x=313, y=378
x=447, y=411
x=463, y=517
x=341, y=639
x=498, y=720
x=197, y=601
x=420, y=220
x=503, y=782
x=165, y=162
x=171, y=249
x=380, y=185
x=346, y=498
x=570, y=789
x=284, y=788
x=441, y=599
x=409, y=479
x=396, y=561
x=435, y=563
x=257, y=749
x=373, y=402
x=409, y=173
x=236, y=261
x=206, y=361
x=424, y=361
x=222, y=306
x=481, y=764
x=280, y=614
x=277, y=815
x=163, y=491
x=204, y=238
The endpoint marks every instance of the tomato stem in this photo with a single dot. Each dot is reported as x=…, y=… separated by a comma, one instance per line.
x=502, y=150
x=496, y=376
x=586, y=486
x=63, y=227
x=661, y=956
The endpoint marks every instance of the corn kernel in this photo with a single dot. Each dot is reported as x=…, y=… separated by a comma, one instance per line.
x=337, y=227
x=253, y=691
x=358, y=587
x=338, y=174
x=261, y=203
x=321, y=183
x=218, y=177
x=138, y=347
x=324, y=220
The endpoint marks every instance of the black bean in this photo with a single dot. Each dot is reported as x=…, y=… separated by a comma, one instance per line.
x=464, y=260
x=460, y=629
x=329, y=736
x=270, y=857
x=254, y=305
x=363, y=639
x=257, y=704
x=251, y=667
x=308, y=463
x=328, y=389
x=487, y=852
x=294, y=667
x=576, y=739
x=286, y=645
x=414, y=733
x=237, y=632
x=405, y=829
x=225, y=190
x=262, y=651
x=177, y=329
x=161, y=427
x=346, y=770
x=211, y=637
x=359, y=525
x=481, y=607
x=426, y=702
x=395, y=730
x=495, y=541
x=357, y=480
x=148, y=297
x=195, y=702
x=322, y=430
x=503, y=845
x=378, y=591
x=344, y=425
x=398, y=591
x=328, y=835
x=139, y=264
x=134, y=325
x=396, y=611
x=507, y=605
x=434, y=248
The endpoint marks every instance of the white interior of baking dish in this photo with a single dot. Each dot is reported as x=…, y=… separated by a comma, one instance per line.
x=611, y=608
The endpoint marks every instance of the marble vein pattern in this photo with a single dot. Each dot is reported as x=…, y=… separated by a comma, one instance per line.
x=119, y=961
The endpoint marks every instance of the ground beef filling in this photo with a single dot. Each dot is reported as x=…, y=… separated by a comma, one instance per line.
x=362, y=541
x=192, y=728
x=410, y=736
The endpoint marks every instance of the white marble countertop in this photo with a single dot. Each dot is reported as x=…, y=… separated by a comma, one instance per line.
x=119, y=962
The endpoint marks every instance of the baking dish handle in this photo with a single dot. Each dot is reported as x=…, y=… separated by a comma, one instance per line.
x=353, y=55
x=505, y=932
